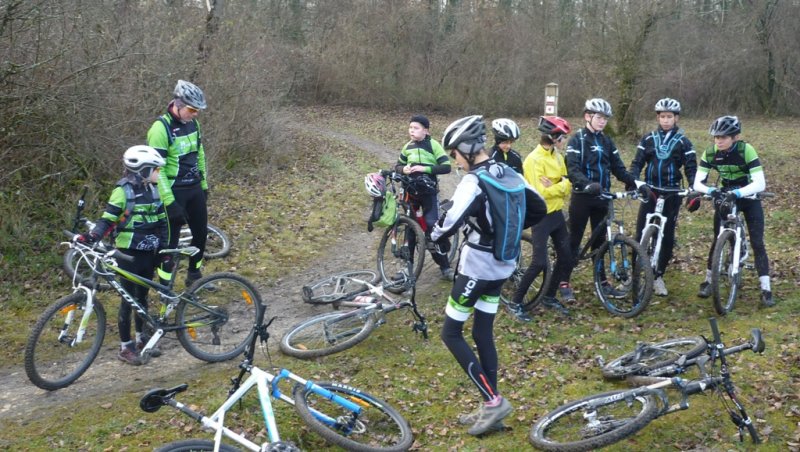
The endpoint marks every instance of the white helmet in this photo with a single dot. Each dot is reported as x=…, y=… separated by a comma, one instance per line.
x=190, y=94
x=505, y=129
x=466, y=134
x=141, y=157
x=598, y=105
x=668, y=105
x=375, y=185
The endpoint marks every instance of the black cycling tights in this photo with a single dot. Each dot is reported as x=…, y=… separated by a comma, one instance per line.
x=144, y=264
x=481, y=370
x=583, y=208
x=754, y=217
x=552, y=226
x=193, y=201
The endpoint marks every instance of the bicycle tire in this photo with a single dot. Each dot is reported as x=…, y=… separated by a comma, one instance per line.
x=653, y=357
x=565, y=428
x=218, y=323
x=328, y=333
x=217, y=244
x=378, y=427
x=71, y=261
x=533, y=295
x=635, y=276
x=396, y=261
x=338, y=286
x=725, y=287
x=190, y=445
x=52, y=363
x=649, y=243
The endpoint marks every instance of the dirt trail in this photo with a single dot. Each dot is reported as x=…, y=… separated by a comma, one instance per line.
x=20, y=400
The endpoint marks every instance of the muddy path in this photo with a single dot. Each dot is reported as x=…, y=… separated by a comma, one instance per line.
x=21, y=401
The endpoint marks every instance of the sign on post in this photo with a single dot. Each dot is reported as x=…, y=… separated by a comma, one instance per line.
x=551, y=99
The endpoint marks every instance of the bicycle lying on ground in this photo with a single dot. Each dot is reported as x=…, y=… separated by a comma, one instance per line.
x=620, y=262
x=726, y=270
x=607, y=418
x=218, y=244
x=212, y=318
x=401, y=251
x=341, y=414
x=332, y=332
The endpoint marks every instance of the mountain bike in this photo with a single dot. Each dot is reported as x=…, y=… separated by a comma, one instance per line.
x=400, y=253
x=535, y=291
x=603, y=419
x=211, y=318
x=218, y=244
x=653, y=231
x=332, y=332
x=731, y=241
x=342, y=415
x=619, y=261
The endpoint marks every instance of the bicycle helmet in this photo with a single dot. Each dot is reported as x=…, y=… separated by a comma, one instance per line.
x=668, y=105
x=190, y=94
x=725, y=126
x=598, y=105
x=139, y=157
x=505, y=129
x=553, y=126
x=466, y=134
x=375, y=185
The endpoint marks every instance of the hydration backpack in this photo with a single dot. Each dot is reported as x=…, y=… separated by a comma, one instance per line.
x=130, y=203
x=505, y=193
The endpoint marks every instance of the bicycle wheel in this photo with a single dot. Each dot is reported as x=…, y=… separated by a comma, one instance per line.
x=649, y=244
x=627, y=270
x=535, y=291
x=647, y=359
x=724, y=283
x=577, y=427
x=189, y=445
x=217, y=243
x=218, y=313
x=377, y=427
x=327, y=334
x=401, y=252
x=54, y=357
x=72, y=261
x=338, y=286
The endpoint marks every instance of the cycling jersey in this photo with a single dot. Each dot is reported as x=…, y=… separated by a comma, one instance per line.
x=739, y=169
x=510, y=158
x=662, y=154
x=181, y=146
x=593, y=157
x=428, y=153
x=147, y=228
x=551, y=165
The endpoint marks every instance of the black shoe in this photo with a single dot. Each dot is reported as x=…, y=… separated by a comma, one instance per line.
x=766, y=298
x=611, y=292
x=705, y=290
x=552, y=303
x=515, y=309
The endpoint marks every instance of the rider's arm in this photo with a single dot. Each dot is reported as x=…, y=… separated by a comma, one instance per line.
x=465, y=194
x=573, y=158
x=689, y=160
x=157, y=138
x=639, y=160
x=442, y=165
x=702, y=174
x=757, y=180
x=618, y=169
x=111, y=216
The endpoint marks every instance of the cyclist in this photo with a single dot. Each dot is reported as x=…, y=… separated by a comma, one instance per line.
x=506, y=132
x=480, y=275
x=423, y=159
x=662, y=153
x=136, y=217
x=591, y=158
x=741, y=175
x=183, y=183
x=545, y=171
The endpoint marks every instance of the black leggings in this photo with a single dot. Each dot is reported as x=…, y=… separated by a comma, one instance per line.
x=672, y=205
x=754, y=218
x=583, y=208
x=144, y=264
x=193, y=201
x=552, y=226
x=482, y=370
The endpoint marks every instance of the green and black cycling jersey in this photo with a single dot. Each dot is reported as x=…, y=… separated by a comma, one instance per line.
x=735, y=167
x=181, y=146
x=428, y=153
x=146, y=229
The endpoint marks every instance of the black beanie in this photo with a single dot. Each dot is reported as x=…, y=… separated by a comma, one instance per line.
x=422, y=120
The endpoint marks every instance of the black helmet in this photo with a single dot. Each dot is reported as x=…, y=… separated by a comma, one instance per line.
x=190, y=94
x=466, y=134
x=726, y=126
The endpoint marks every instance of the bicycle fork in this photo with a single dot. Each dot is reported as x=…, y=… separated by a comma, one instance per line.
x=63, y=336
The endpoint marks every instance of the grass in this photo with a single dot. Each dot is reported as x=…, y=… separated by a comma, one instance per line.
x=278, y=227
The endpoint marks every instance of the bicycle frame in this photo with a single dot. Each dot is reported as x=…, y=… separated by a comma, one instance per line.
x=606, y=227
x=733, y=222
x=657, y=220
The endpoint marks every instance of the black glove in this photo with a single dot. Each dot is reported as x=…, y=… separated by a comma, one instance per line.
x=443, y=245
x=87, y=238
x=175, y=212
x=693, y=203
x=718, y=196
x=593, y=189
x=731, y=197
x=645, y=193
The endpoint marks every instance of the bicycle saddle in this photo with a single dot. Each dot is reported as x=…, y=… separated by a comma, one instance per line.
x=156, y=398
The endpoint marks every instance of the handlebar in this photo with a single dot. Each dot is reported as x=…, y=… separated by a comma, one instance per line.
x=96, y=248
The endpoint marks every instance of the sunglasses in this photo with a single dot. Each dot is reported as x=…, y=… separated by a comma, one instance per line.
x=192, y=109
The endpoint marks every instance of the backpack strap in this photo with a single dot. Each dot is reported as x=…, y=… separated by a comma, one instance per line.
x=170, y=136
x=130, y=202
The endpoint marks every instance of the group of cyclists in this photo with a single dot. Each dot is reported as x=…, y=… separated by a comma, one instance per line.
x=579, y=175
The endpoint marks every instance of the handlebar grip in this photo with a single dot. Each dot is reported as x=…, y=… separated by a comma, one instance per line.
x=69, y=234
x=117, y=254
x=715, y=330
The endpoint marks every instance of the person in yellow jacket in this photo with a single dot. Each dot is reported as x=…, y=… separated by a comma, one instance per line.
x=545, y=170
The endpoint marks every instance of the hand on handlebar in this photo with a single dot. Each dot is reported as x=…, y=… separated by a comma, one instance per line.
x=593, y=189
